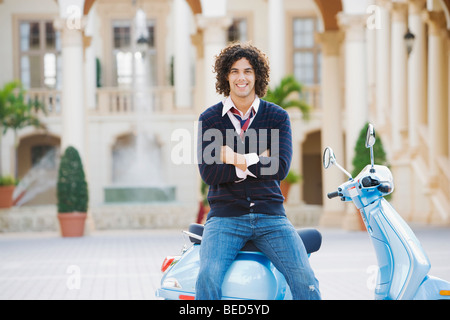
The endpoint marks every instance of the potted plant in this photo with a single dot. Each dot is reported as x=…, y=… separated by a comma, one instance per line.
x=7, y=186
x=16, y=112
x=72, y=194
x=285, y=185
x=288, y=94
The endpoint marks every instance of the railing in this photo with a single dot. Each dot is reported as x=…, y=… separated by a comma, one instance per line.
x=51, y=99
x=312, y=95
x=116, y=101
x=113, y=101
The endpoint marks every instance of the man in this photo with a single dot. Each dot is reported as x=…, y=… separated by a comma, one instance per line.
x=245, y=145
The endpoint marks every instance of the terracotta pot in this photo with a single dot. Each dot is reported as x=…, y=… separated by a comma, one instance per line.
x=6, y=193
x=285, y=187
x=72, y=224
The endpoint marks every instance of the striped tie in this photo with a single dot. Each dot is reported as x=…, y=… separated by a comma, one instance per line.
x=244, y=122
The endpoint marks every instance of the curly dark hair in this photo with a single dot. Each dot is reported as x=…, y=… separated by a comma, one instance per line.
x=234, y=52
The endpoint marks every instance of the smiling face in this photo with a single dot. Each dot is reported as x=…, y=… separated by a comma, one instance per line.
x=242, y=81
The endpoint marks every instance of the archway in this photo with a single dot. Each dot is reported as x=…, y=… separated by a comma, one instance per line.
x=312, y=168
x=37, y=169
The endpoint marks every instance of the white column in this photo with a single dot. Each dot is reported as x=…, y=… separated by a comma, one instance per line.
x=182, y=61
x=417, y=70
x=356, y=108
x=356, y=103
x=277, y=46
x=437, y=73
x=90, y=67
x=332, y=132
x=73, y=107
x=398, y=75
x=214, y=40
x=383, y=54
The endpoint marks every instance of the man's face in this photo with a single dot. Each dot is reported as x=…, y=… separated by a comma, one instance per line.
x=242, y=79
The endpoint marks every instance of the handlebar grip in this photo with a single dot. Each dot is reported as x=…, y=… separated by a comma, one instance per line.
x=333, y=194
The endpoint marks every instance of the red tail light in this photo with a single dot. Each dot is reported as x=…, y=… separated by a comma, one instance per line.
x=167, y=263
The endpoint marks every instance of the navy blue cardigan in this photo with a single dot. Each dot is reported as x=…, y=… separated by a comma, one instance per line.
x=270, y=129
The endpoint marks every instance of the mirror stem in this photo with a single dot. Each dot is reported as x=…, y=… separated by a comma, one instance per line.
x=343, y=170
x=372, y=170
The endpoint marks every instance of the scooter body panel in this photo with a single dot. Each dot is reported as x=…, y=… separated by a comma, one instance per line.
x=403, y=264
x=251, y=276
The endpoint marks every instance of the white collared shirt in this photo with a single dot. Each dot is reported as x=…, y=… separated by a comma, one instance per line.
x=250, y=158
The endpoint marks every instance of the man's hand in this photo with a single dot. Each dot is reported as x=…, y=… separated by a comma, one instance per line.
x=265, y=153
x=228, y=156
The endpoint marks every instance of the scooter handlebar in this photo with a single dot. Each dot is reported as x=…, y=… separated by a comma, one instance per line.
x=333, y=194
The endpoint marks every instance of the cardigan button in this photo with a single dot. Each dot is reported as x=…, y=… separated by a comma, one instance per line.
x=248, y=199
x=251, y=210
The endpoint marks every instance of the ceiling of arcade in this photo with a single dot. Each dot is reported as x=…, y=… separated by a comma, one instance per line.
x=328, y=9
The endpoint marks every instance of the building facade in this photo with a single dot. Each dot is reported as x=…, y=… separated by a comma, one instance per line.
x=124, y=81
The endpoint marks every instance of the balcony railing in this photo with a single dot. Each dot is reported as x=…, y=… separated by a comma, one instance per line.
x=116, y=101
x=113, y=101
x=51, y=99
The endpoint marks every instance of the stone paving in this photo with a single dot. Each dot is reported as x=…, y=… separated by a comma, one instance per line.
x=115, y=265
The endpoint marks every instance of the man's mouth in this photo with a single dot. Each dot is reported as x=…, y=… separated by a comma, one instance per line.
x=243, y=85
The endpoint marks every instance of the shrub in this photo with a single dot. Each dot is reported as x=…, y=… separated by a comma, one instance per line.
x=72, y=190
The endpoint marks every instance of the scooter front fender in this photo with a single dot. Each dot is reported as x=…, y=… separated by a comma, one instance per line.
x=433, y=288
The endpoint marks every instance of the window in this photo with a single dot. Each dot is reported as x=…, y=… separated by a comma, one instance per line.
x=129, y=61
x=307, y=55
x=238, y=30
x=40, y=54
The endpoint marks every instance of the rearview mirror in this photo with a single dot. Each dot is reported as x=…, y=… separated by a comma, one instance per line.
x=328, y=157
x=370, y=136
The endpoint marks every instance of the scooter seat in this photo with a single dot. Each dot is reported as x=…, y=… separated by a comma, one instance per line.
x=312, y=238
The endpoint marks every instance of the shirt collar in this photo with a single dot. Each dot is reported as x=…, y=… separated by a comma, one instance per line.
x=228, y=104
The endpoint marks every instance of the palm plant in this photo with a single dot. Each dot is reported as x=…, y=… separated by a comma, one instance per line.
x=288, y=94
x=16, y=111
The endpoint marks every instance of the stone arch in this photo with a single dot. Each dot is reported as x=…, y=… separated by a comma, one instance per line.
x=329, y=10
x=312, y=168
x=37, y=169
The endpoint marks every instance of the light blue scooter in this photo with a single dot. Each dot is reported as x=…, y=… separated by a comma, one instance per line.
x=403, y=264
x=251, y=276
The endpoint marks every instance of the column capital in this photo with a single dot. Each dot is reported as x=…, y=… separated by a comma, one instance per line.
x=354, y=25
x=71, y=30
x=204, y=22
x=435, y=20
x=212, y=27
x=416, y=6
x=399, y=11
x=331, y=41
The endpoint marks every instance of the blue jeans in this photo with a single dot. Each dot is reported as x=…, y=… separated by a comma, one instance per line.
x=274, y=235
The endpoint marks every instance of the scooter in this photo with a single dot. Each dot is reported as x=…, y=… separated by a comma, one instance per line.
x=251, y=275
x=403, y=264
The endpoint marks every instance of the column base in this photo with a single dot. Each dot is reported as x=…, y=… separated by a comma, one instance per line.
x=332, y=219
